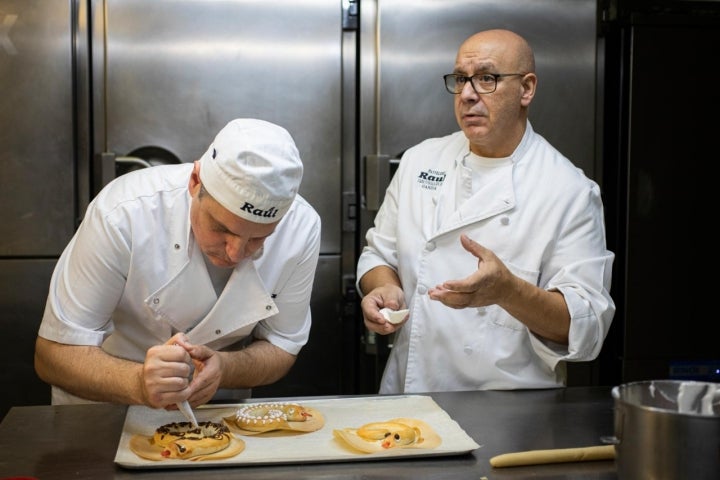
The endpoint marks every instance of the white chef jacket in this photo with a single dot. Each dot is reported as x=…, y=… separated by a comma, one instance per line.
x=132, y=276
x=542, y=217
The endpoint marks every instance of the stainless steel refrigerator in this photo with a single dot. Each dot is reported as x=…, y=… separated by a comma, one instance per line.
x=91, y=89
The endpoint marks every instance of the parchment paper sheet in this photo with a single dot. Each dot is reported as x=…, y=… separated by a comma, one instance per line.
x=319, y=446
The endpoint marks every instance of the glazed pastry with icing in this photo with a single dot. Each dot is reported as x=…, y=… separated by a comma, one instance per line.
x=180, y=440
x=268, y=417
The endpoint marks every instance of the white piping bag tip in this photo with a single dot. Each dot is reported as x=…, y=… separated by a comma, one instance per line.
x=186, y=410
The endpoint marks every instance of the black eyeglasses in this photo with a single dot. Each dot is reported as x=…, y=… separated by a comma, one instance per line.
x=481, y=82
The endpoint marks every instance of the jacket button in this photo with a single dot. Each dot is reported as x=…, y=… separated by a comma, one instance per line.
x=430, y=246
x=505, y=220
x=218, y=332
x=422, y=290
x=156, y=301
x=268, y=307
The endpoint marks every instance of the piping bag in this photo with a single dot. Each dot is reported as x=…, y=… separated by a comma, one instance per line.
x=184, y=406
x=186, y=410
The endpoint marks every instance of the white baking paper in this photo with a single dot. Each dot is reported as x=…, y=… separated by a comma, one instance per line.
x=318, y=446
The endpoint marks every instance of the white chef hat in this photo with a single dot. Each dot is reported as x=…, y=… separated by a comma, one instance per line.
x=253, y=169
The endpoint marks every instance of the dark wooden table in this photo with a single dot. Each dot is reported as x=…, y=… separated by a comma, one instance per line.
x=80, y=441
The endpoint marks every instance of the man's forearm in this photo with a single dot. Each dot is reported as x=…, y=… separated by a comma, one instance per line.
x=110, y=379
x=544, y=312
x=378, y=276
x=260, y=363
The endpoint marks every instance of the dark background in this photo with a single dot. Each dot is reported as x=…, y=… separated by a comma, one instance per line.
x=660, y=124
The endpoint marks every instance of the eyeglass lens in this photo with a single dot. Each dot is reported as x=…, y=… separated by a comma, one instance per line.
x=481, y=83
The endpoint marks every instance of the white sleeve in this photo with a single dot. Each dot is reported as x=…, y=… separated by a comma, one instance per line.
x=87, y=283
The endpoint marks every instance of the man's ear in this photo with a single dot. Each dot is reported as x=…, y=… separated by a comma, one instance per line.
x=529, y=84
x=194, y=182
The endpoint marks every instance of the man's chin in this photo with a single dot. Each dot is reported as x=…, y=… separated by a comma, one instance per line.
x=472, y=130
x=474, y=121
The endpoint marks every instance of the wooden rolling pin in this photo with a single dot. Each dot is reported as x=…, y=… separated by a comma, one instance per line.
x=557, y=455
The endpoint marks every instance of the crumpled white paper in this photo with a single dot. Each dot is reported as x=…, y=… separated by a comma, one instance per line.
x=394, y=316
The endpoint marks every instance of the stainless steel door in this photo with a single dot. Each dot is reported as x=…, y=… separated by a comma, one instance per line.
x=171, y=74
x=37, y=184
x=403, y=100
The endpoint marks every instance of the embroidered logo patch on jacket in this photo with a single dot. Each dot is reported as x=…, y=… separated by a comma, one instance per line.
x=431, y=179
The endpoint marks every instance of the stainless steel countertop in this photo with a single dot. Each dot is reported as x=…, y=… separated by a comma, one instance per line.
x=80, y=441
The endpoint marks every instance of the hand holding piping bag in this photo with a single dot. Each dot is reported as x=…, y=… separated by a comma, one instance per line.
x=205, y=367
x=184, y=406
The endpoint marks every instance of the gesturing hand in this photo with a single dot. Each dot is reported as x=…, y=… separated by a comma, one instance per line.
x=488, y=285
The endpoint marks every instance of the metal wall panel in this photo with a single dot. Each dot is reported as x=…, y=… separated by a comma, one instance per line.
x=405, y=101
x=37, y=184
x=36, y=128
x=174, y=73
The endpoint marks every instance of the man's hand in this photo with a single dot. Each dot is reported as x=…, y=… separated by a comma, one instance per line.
x=207, y=374
x=178, y=371
x=386, y=296
x=490, y=284
x=166, y=373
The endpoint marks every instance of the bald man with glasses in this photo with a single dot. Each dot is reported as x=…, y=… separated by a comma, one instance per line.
x=491, y=239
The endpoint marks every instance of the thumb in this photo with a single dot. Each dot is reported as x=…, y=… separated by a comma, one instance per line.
x=200, y=353
x=472, y=246
x=179, y=339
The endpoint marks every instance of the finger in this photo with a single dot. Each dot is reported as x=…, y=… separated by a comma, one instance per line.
x=176, y=339
x=472, y=246
x=161, y=391
x=179, y=339
x=371, y=310
x=450, y=298
x=200, y=353
x=383, y=327
x=164, y=355
x=464, y=285
x=203, y=390
x=374, y=322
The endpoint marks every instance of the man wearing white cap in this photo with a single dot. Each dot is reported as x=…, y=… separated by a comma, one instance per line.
x=206, y=266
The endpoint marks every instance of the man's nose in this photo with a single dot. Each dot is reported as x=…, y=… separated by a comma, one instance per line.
x=235, y=248
x=468, y=91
